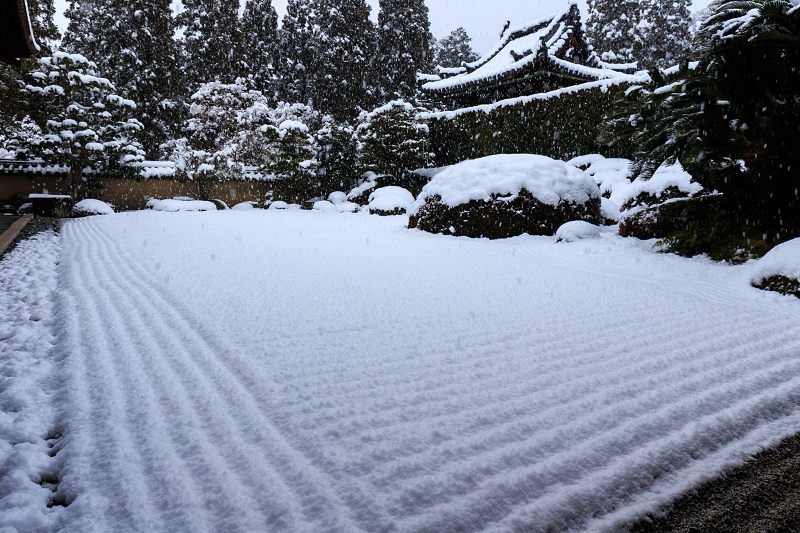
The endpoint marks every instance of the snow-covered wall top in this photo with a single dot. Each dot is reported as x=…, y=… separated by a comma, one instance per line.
x=150, y=169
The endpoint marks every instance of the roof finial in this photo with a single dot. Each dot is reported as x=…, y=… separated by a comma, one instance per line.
x=508, y=23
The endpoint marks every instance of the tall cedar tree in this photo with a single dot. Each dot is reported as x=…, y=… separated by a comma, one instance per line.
x=613, y=29
x=342, y=86
x=668, y=36
x=133, y=44
x=404, y=46
x=212, y=41
x=260, y=37
x=297, y=52
x=42, y=13
x=455, y=49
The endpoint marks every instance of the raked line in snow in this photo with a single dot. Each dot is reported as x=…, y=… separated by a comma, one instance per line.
x=498, y=386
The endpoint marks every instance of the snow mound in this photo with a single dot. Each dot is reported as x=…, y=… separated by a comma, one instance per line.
x=280, y=204
x=325, y=206
x=244, y=206
x=390, y=199
x=783, y=260
x=577, y=230
x=337, y=198
x=548, y=180
x=348, y=207
x=370, y=182
x=610, y=174
x=91, y=207
x=609, y=210
x=175, y=205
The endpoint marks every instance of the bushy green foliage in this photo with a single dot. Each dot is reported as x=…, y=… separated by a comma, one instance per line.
x=780, y=284
x=393, y=141
x=560, y=127
x=292, y=163
x=455, y=49
x=337, y=156
x=499, y=218
x=733, y=119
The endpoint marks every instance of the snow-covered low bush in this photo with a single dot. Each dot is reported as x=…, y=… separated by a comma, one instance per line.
x=576, y=230
x=175, y=205
x=360, y=195
x=244, y=206
x=506, y=195
x=779, y=269
x=325, y=206
x=388, y=201
x=89, y=207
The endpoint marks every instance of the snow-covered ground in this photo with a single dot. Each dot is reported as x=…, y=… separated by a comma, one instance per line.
x=310, y=371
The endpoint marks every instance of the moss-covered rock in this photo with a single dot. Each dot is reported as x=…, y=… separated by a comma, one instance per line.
x=499, y=217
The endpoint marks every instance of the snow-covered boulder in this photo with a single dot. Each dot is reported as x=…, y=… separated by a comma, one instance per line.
x=280, y=204
x=177, y=205
x=325, y=206
x=89, y=207
x=779, y=269
x=576, y=230
x=506, y=195
x=244, y=206
x=391, y=200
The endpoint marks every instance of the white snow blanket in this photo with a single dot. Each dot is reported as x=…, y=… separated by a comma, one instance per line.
x=783, y=260
x=390, y=198
x=550, y=181
x=94, y=207
x=285, y=371
x=176, y=205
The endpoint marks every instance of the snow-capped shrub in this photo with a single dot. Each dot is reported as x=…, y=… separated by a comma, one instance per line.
x=89, y=207
x=391, y=200
x=325, y=206
x=278, y=204
x=292, y=162
x=610, y=211
x=337, y=156
x=244, y=206
x=576, y=230
x=337, y=197
x=348, y=207
x=506, y=195
x=779, y=269
x=174, y=206
x=360, y=195
x=221, y=206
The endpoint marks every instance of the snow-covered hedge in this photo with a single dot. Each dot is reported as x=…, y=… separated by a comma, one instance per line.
x=779, y=270
x=506, y=195
x=559, y=125
x=89, y=207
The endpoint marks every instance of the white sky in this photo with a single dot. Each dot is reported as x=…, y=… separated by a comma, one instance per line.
x=483, y=19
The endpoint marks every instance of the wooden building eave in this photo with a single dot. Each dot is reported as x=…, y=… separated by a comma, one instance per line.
x=16, y=35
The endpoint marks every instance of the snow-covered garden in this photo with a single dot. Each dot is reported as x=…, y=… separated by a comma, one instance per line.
x=355, y=375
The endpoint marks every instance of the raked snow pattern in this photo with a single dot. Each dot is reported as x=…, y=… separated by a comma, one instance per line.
x=307, y=371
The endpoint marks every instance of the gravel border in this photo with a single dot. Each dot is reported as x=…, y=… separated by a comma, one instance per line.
x=35, y=225
x=761, y=496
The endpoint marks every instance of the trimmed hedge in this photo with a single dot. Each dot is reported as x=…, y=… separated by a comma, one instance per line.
x=500, y=218
x=561, y=127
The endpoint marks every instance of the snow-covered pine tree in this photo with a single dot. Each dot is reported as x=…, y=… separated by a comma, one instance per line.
x=455, y=49
x=84, y=123
x=667, y=32
x=292, y=162
x=297, y=50
x=404, y=49
x=221, y=136
x=342, y=75
x=260, y=38
x=614, y=29
x=393, y=141
x=212, y=41
x=337, y=155
x=85, y=25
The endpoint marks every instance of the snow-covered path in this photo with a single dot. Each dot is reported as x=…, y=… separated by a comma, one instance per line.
x=302, y=371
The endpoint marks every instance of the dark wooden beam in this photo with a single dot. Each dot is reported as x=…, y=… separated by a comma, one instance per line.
x=16, y=38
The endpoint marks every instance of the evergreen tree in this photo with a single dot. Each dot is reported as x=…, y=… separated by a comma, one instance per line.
x=42, y=13
x=613, y=28
x=297, y=50
x=342, y=71
x=85, y=26
x=292, y=162
x=404, y=40
x=667, y=34
x=454, y=50
x=393, y=142
x=212, y=41
x=84, y=123
x=337, y=155
x=733, y=119
x=260, y=38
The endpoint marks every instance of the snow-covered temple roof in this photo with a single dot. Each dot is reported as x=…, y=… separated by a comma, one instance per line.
x=16, y=37
x=554, y=45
